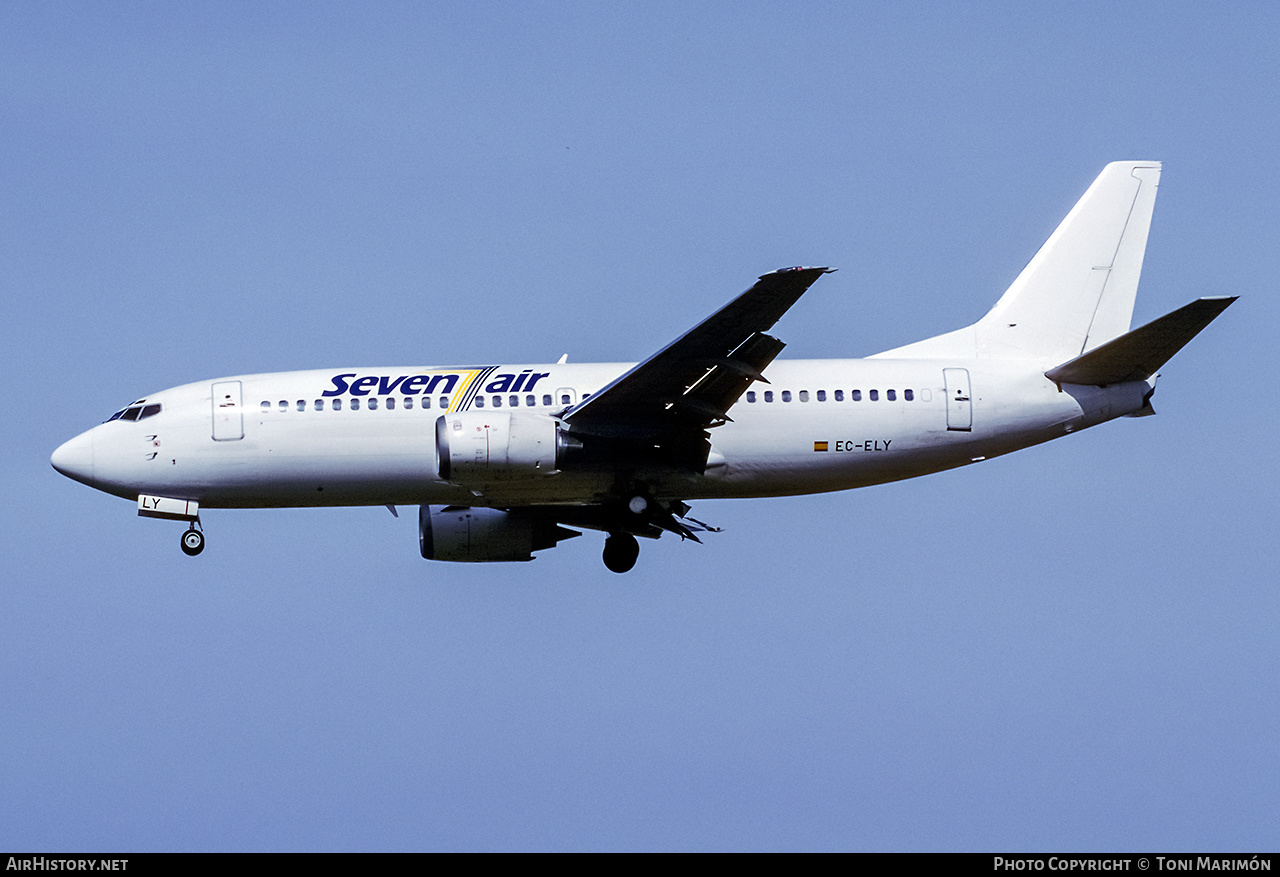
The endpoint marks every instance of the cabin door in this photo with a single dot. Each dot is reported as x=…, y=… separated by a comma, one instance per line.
x=959, y=406
x=228, y=414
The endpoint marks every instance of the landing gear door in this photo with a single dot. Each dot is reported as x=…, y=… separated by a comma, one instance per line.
x=959, y=405
x=228, y=413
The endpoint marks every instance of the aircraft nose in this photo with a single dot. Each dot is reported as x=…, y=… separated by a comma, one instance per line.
x=74, y=459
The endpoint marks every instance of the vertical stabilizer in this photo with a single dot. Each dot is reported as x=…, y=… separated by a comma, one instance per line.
x=1078, y=291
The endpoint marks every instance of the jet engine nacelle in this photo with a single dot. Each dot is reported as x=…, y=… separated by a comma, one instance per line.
x=481, y=446
x=477, y=535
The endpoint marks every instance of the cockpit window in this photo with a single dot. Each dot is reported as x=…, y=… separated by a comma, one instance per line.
x=136, y=411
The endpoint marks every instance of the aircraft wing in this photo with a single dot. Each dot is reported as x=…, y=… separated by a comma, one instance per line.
x=689, y=385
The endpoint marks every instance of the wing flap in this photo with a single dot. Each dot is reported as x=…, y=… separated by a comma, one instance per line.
x=715, y=392
x=692, y=382
x=1137, y=355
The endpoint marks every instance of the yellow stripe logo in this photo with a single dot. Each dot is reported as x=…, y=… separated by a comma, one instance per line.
x=469, y=378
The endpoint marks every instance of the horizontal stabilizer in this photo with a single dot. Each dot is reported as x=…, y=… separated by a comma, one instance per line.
x=1137, y=355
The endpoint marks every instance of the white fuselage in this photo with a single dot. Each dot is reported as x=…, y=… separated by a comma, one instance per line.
x=279, y=440
x=505, y=460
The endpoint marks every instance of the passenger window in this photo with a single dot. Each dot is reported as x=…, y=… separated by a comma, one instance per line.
x=391, y=403
x=804, y=395
x=318, y=405
x=839, y=394
x=426, y=402
x=513, y=401
x=908, y=395
x=444, y=401
x=855, y=395
x=822, y=395
x=373, y=403
x=786, y=395
x=301, y=405
x=337, y=404
x=565, y=398
x=768, y=395
x=531, y=401
x=546, y=398
x=497, y=401
x=479, y=401
x=408, y=403
x=874, y=395
x=891, y=395
x=266, y=406
x=751, y=395
x=284, y=406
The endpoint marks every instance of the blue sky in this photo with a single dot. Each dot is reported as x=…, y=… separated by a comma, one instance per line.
x=1072, y=647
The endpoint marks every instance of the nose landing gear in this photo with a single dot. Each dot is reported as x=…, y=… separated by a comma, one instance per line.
x=192, y=541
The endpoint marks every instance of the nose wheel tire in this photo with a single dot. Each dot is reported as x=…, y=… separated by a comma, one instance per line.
x=620, y=552
x=192, y=542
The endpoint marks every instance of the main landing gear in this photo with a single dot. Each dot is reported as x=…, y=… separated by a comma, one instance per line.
x=192, y=541
x=649, y=517
x=620, y=552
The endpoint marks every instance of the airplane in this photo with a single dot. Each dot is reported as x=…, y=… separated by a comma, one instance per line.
x=507, y=460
